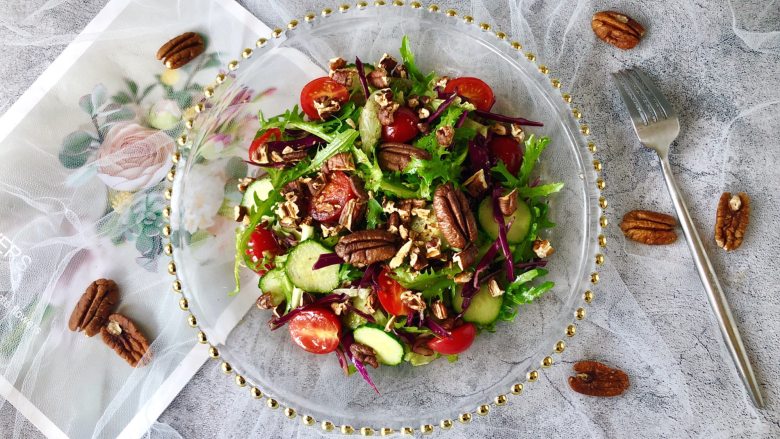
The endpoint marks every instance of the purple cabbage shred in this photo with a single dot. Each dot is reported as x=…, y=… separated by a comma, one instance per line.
x=502, y=239
x=326, y=260
x=508, y=119
x=461, y=119
x=437, y=328
x=347, y=341
x=362, y=75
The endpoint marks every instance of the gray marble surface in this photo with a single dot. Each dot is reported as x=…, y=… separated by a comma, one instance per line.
x=719, y=65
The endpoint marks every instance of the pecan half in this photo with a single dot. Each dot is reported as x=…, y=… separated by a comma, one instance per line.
x=365, y=247
x=180, y=50
x=732, y=220
x=94, y=307
x=617, y=29
x=597, y=379
x=121, y=334
x=395, y=157
x=455, y=219
x=649, y=227
x=265, y=301
x=364, y=353
x=467, y=257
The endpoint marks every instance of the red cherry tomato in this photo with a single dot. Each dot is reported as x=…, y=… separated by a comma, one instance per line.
x=316, y=330
x=263, y=139
x=327, y=204
x=474, y=90
x=404, y=126
x=390, y=294
x=261, y=242
x=508, y=150
x=321, y=88
x=459, y=341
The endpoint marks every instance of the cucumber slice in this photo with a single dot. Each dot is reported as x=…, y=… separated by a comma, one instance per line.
x=484, y=308
x=520, y=219
x=388, y=349
x=299, y=269
x=276, y=283
x=261, y=187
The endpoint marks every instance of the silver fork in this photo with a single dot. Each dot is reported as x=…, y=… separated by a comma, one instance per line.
x=656, y=124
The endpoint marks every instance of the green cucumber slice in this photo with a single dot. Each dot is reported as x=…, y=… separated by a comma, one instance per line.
x=261, y=187
x=484, y=308
x=276, y=283
x=299, y=269
x=520, y=219
x=387, y=347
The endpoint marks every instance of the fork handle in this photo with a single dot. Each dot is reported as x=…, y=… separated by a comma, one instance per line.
x=717, y=299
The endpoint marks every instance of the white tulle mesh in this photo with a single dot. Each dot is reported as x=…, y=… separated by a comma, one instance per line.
x=716, y=61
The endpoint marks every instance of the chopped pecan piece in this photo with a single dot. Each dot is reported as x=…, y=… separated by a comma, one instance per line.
x=124, y=337
x=337, y=63
x=400, y=71
x=617, y=29
x=386, y=115
x=542, y=248
x=466, y=257
x=364, y=354
x=444, y=136
x=517, y=132
x=439, y=310
x=384, y=98
x=339, y=308
x=423, y=113
x=454, y=217
x=442, y=81
x=365, y=247
x=181, y=50
x=395, y=157
x=378, y=78
x=494, y=289
x=498, y=129
x=413, y=101
x=476, y=185
x=326, y=106
x=387, y=62
x=94, y=307
x=732, y=220
x=342, y=161
x=463, y=277
x=344, y=76
x=649, y=227
x=265, y=301
x=413, y=301
x=597, y=379
x=508, y=203
x=399, y=257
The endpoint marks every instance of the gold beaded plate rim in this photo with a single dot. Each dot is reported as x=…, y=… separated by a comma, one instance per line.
x=499, y=400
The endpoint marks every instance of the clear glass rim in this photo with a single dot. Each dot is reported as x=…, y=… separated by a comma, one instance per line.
x=511, y=53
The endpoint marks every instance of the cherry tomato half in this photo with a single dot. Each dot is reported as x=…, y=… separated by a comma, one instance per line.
x=474, y=90
x=261, y=242
x=321, y=88
x=404, y=126
x=389, y=294
x=263, y=139
x=459, y=341
x=316, y=330
x=329, y=201
x=508, y=150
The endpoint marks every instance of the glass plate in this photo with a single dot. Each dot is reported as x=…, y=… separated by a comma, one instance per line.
x=314, y=386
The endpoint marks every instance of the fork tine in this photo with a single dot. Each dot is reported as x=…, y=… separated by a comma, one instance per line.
x=637, y=116
x=663, y=105
x=643, y=95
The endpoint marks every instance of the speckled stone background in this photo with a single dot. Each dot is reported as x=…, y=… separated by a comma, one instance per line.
x=719, y=64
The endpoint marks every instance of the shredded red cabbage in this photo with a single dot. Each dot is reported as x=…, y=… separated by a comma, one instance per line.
x=347, y=341
x=479, y=157
x=536, y=263
x=461, y=119
x=508, y=119
x=440, y=92
x=362, y=75
x=277, y=323
x=363, y=314
x=326, y=260
x=485, y=262
x=368, y=275
x=342, y=360
x=443, y=106
x=408, y=338
x=502, y=240
x=437, y=328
